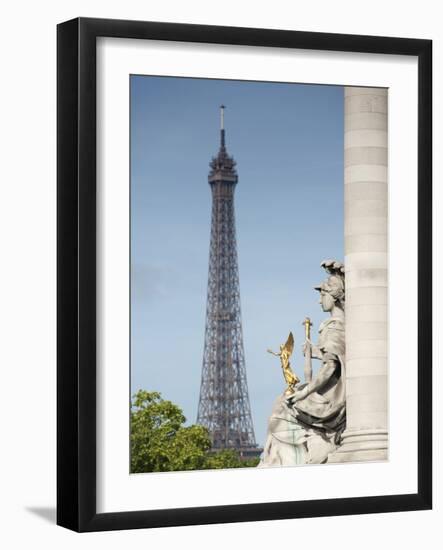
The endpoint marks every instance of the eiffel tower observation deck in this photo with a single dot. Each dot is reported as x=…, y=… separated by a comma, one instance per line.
x=224, y=406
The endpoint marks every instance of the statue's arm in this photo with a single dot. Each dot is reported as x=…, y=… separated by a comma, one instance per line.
x=322, y=377
x=316, y=353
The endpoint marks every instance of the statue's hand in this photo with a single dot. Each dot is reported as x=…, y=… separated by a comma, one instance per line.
x=316, y=353
x=294, y=397
x=315, y=350
x=289, y=401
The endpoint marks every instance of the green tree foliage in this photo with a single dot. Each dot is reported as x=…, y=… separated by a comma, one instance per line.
x=228, y=459
x=161, y=443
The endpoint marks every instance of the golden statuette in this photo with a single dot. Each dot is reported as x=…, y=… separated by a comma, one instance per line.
x=285, y=353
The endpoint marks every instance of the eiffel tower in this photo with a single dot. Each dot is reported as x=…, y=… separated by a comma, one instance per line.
x=224, y=401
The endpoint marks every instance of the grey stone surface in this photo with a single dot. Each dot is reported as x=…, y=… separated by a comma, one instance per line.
x=366, y=225
x=358, y=366
x=362, y=190
x=366, y=260
x=363, y=278
x=366, y=243
x=365, y=172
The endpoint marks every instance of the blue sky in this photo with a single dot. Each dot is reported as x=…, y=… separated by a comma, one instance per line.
x=287, y=140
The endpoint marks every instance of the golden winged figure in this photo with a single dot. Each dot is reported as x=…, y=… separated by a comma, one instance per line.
x=285, y=353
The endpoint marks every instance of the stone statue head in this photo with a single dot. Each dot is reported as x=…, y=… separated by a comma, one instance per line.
x=332, y=289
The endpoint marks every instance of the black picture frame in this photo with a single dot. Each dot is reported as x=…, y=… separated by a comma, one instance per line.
x=76, y=280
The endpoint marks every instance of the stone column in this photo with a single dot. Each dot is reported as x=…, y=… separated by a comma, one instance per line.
x=366, y=204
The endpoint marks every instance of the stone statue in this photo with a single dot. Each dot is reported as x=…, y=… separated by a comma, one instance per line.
x=306, y=426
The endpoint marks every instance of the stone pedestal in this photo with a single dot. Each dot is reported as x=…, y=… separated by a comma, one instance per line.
x=366, y=204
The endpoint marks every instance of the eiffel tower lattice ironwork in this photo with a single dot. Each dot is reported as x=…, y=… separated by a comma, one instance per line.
x=224, y=406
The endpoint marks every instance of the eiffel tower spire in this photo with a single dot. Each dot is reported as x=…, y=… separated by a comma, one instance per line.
x=224, y=401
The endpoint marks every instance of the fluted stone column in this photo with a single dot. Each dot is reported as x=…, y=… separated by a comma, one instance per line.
x=366, y=203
